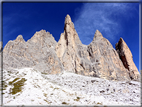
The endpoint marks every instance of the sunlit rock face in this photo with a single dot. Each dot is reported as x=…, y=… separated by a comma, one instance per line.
x=38, y=52
x=98, y=59
x=68, y=47
x=105, y=59
x=127, y=59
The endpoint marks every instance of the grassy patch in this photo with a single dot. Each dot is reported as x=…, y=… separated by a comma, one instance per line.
x=47, y=101
x=16, y=73
x=64, y=103
x=9, y=71
x=70, y=94
x=44, y=73
x=56, y=88
x=11, y=82
x=18, y=86
x=77, y=99
x=99, y=103
x=64, y=91
x=45, y=94
x=4, y=85
x=54, y=82
x=51, y=86
x=35, y=86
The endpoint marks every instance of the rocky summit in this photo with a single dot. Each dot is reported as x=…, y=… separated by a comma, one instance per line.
x=42, y=71
x=98, y=59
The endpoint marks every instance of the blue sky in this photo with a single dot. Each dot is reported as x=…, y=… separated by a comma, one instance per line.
x=113, y=20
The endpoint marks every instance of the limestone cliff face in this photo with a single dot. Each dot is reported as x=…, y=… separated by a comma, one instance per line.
x=13, y=53
x=105, y=60
x=127, y=59
x=98, y=59
x=66, y=48
x=38, y=52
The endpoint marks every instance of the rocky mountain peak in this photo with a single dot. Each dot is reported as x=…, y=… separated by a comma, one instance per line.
x=98, y=59
x=42, y=38
x=39, y=34
x=67, y=46
x=20, y=38
x=121, y=39
x=127, y=59
x=98, y=35
x=121, y=43
x=69, y=38
x=68, y=19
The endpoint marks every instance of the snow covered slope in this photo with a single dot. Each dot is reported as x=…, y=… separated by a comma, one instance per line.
x=30, y=87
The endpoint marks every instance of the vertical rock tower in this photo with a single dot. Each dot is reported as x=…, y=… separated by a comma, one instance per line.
x=127, y=59
x=66, y=48
x=105, y=60
x=98, y=59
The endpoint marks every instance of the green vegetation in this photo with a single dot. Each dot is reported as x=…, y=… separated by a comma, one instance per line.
x=56, y=88
x=4, y=85
x=64, y=91
x=9, y=71
x=47, y=101
x=99, y=103
x=51, y=86
x=77, y=99
x=45, y=94
x=44, y=73
x=64, y=103
x=11, y=82
x=18, y=86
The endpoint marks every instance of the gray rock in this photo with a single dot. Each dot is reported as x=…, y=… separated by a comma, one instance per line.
x=127, y=59
x=36, y=52
x=98, y=59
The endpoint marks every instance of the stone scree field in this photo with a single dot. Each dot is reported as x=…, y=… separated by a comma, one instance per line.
x=28, y=86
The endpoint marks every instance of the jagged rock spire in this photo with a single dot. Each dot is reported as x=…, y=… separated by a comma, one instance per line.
x=68, y=39
x=68, y=19
x=66, y=48
x=98, y=35
x=20, y=38
x=98, y=59
x=127, y=59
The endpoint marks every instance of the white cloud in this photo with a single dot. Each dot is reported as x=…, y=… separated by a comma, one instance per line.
x=106, y=17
